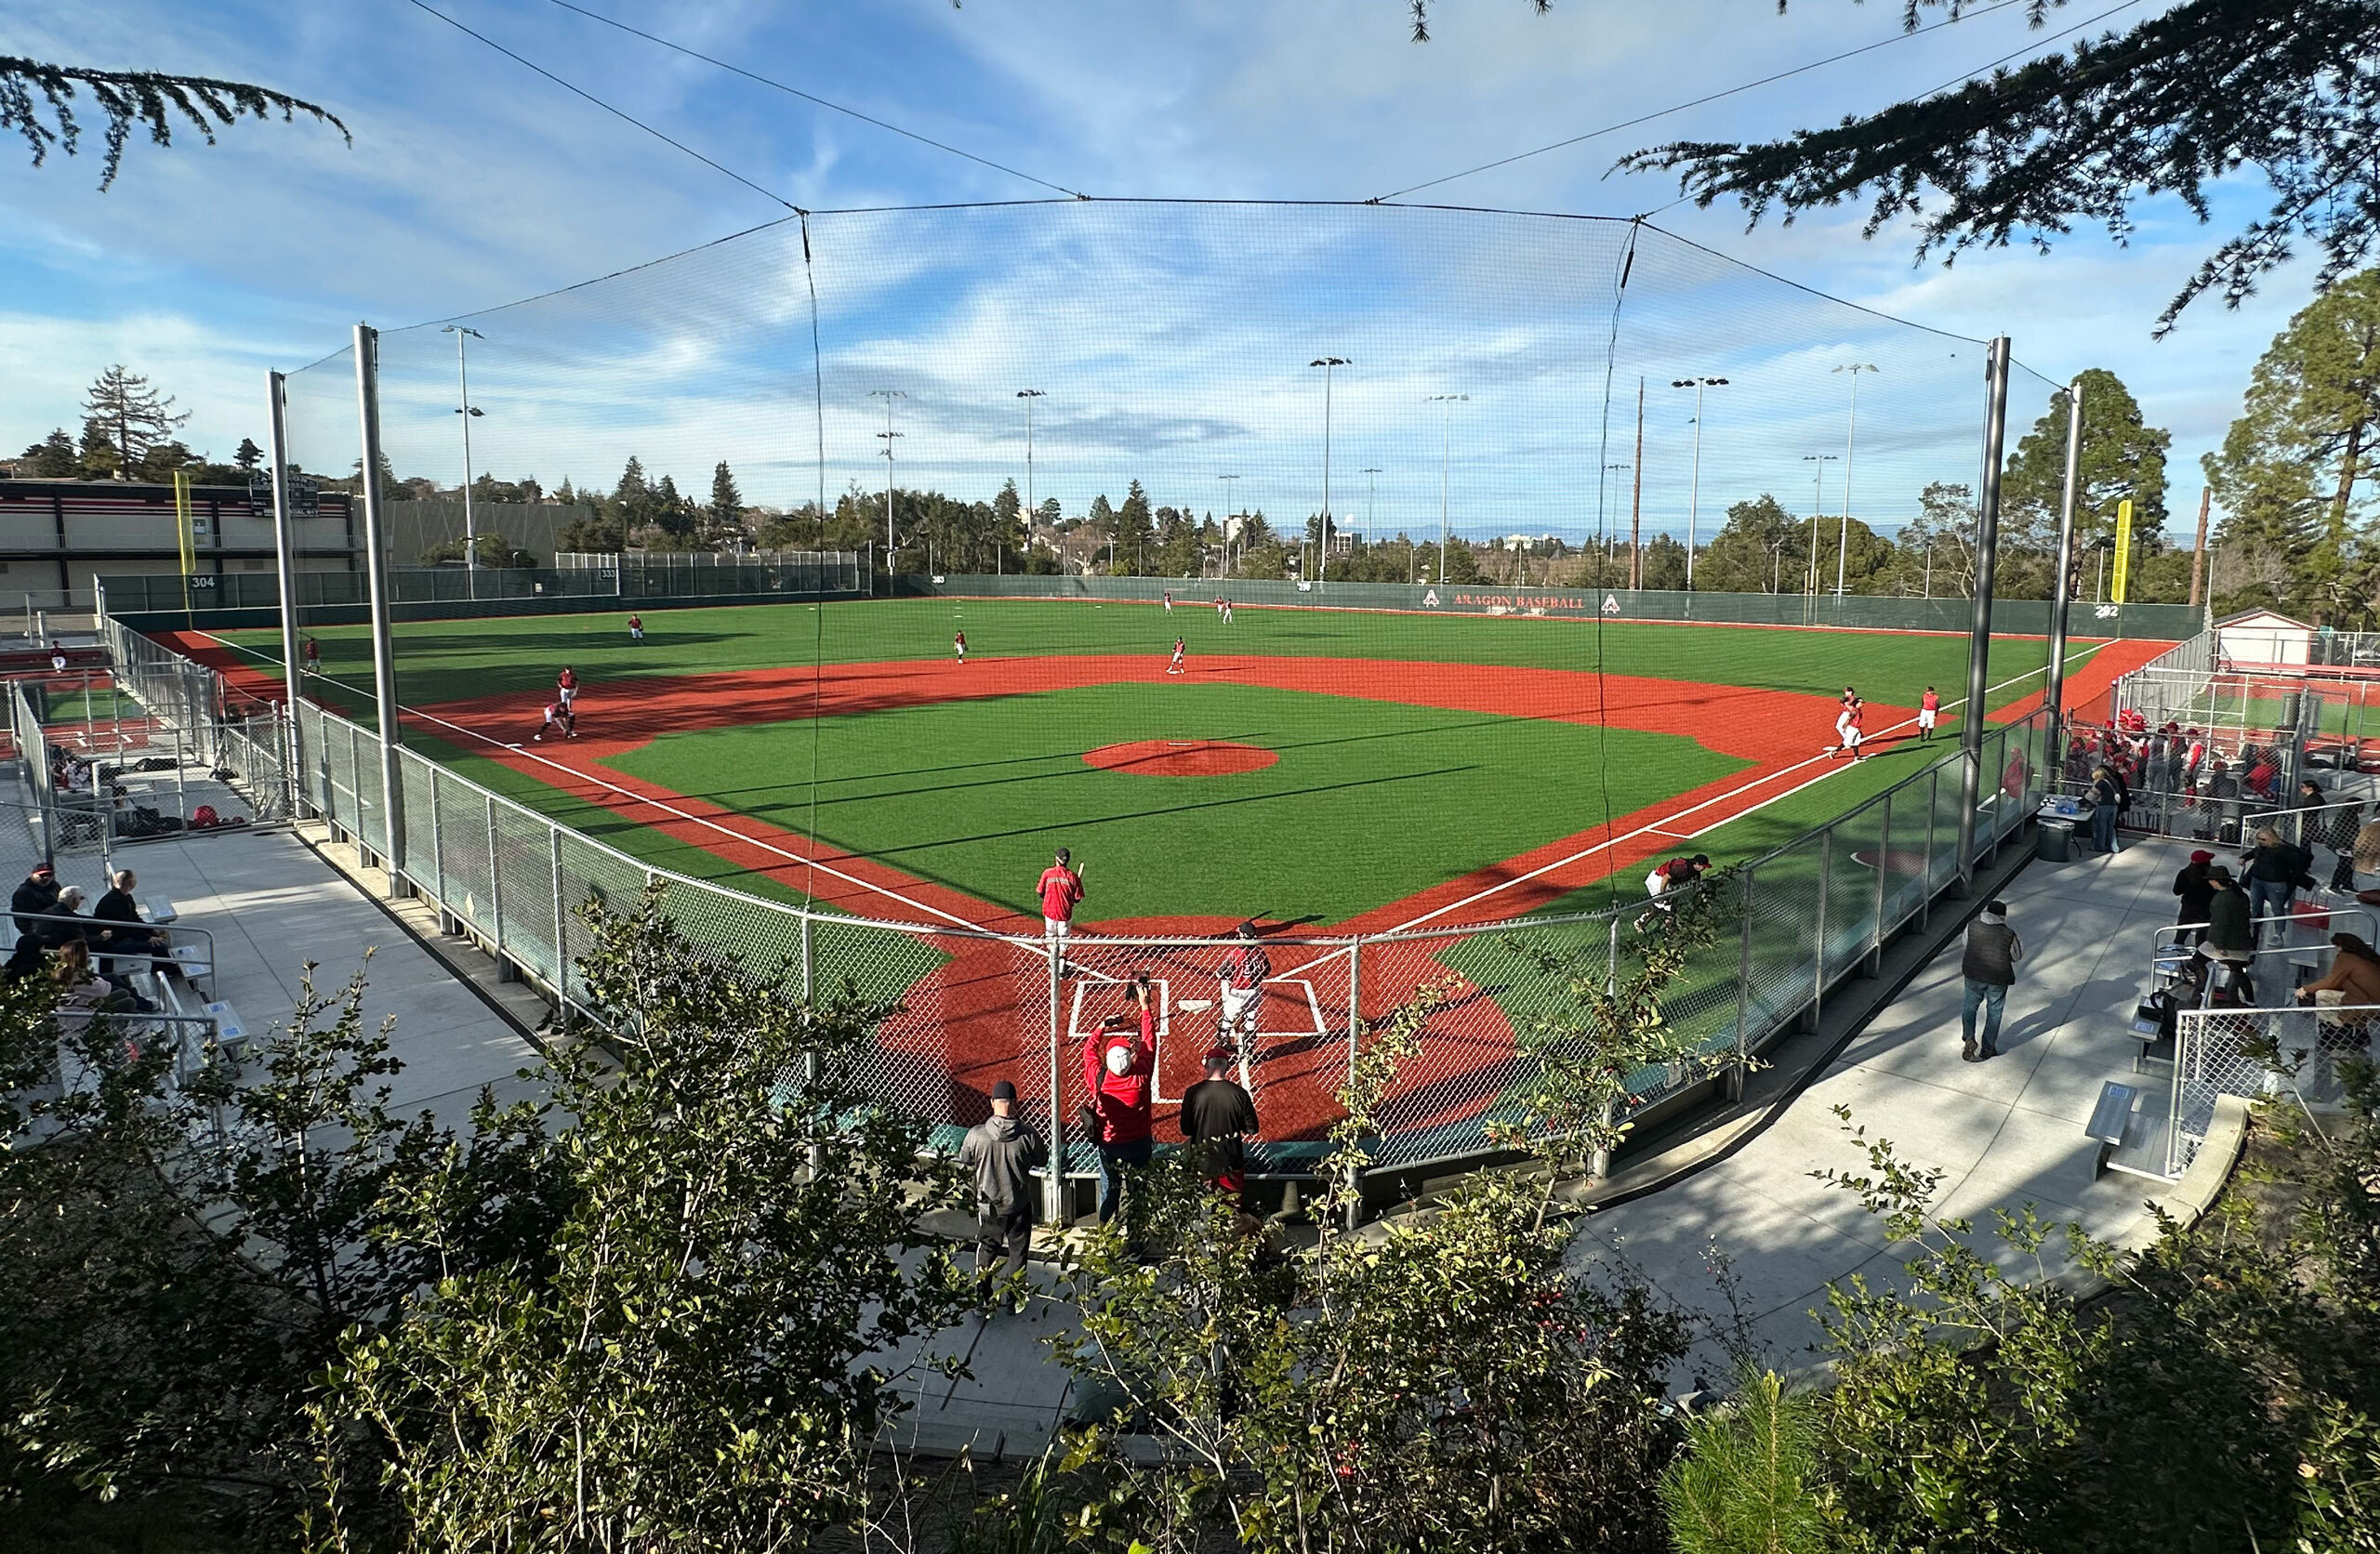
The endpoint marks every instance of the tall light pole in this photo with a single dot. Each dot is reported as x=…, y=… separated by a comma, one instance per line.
x=1694, y=494
x=1601, y=580
x=1028, y=396
x=888, y=434
x=1817, y=506
x=1322, y=550
x=1228, y=516
x=465, y=409
x=1371, y=504
x=1445, y=466
x=1850, y=445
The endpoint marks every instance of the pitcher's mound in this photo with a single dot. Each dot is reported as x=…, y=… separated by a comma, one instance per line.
x=1181, y=758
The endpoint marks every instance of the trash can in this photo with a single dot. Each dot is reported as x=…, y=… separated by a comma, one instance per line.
x=2053, y=841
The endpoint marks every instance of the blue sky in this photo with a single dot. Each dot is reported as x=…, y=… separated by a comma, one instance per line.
x=1171, y=340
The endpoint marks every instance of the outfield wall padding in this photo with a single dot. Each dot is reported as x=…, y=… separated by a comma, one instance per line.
x=2010, y=617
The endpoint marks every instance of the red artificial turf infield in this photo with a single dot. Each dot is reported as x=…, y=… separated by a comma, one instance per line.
x=967, y=1019
x=1181, y=758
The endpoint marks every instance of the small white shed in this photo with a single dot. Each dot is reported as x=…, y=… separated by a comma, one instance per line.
x=2263, y=637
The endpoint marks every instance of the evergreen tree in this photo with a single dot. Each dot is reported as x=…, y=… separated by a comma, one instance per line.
x=1135, y=533
x=2295, y=468
x=135, y=416
x=726, y=502
x=2121, y=458
x=1008, y=523
x=1761, y=549
x=54, y=457
x=247, y=456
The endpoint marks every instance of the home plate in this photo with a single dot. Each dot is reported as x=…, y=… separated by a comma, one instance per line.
x=1195, y=1005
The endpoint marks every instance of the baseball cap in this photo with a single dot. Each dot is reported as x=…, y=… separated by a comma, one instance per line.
x=1004, y=1090
x=2202, y=856
x=1217, y=1056
x=45, y=869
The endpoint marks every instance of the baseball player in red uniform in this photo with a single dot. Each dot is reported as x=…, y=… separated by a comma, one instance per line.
x=1929, y=707
x=567, y=687
x=1244, y=971
x=560, y=719
x=1175, y=667
x=1168, y=601
x=635, y=628
x=958, y=646
x=1059, y=889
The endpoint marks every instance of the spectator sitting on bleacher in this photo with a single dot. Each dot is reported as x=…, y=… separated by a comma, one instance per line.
x=2354, y=973
x=81, y=992
x=121, y=933
x=36, y=894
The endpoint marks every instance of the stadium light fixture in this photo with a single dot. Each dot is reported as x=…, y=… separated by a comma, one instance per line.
x=888, y=434
x=1850, y=445
x=1446, y=459
x=1322, y=548
x=1694, y=494
x=467, y=412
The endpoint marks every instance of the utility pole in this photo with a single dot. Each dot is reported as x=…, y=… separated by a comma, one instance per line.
x=1694, y=494
x=1636, y=502
x=888, y=434
x=1228, y=516
x=1987, y=562
x=1371, y=504
x=1322, y=548
x=2062, y=594
x=1817, y=506
x=2197, y=555
x=466, y=410
x=1850, y=444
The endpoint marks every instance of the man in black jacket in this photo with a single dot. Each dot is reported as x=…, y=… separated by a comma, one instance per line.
x=1990, y=967
x=121, y=933
x=37, y=895
x=1218, y=1118
x=1003, y=1153
x=2197, y=892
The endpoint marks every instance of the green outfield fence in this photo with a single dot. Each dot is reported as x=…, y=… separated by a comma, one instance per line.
x=974, y=1006
x=2019, y=617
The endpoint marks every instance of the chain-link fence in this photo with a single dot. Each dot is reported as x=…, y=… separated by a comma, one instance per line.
x=421, y=592
x=2292, y=1054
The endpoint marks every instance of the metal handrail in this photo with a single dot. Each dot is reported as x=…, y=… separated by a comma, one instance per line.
x=94, y=925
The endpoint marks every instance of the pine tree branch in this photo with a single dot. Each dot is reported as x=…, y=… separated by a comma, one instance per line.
x=128, y=99
x=2181, y=101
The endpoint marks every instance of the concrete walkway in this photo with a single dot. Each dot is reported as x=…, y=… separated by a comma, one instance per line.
x=2004, y=1133
x=272, y=906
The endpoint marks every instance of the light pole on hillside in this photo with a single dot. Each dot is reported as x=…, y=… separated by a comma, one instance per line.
x=1322, y=549
x=1228, y=516
x=888, y=434
x=465, y=409
x=1818, y=505
x=1031, y=512
x=1850, y=445
x=1694, y=492
x=1371, y=504
x=1445, y=466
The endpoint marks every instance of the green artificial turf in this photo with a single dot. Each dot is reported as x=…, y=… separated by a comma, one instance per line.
x=442, y=661
x=1369, y=802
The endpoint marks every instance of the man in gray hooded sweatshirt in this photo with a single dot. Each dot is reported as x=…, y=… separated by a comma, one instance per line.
x=1003, y=1153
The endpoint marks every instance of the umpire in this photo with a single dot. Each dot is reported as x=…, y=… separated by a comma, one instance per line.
x=1003, y=1153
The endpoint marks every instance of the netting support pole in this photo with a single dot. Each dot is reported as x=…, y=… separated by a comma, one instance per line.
x=495, y=896
x=1057, y=1193
x=1986, y=560
x=2054, y=696
x=1736, y=1075
x=285, y=541
x=376, y=557
x=1933, y=808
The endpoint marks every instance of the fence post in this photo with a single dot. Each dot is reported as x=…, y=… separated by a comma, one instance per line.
x=1818, y=979
x=437, y=847
x=1883, y=864
x=496, y=893
x=1933, y=807
x=1355, y=1004
x=1057, y=1192
x=562, y=921
x=1986, y=560
x=388, y=732
x=1743, y=999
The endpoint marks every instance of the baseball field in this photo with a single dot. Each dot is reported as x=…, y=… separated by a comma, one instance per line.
x=1322, y=772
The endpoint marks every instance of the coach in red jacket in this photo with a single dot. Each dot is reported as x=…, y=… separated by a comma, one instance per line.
x=1118, y=1075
